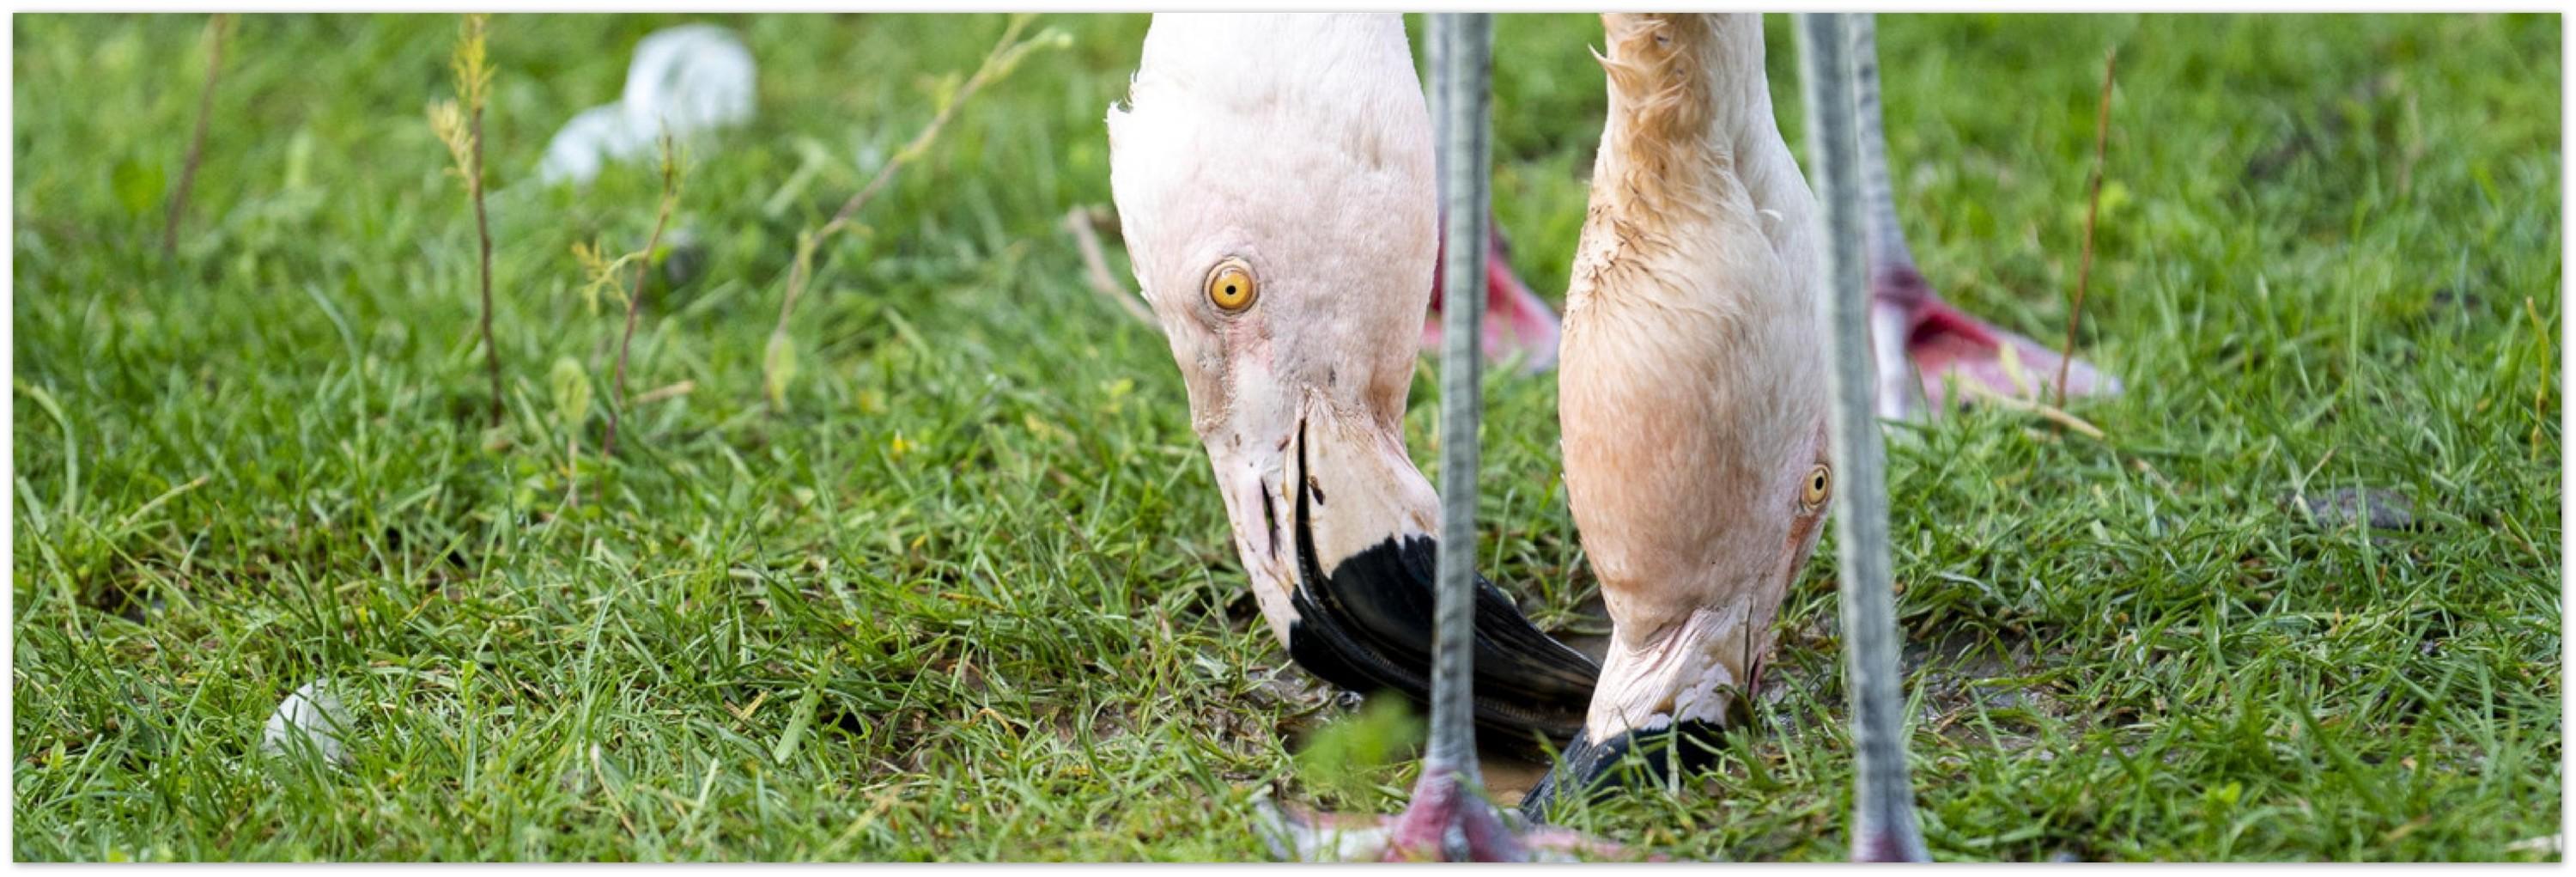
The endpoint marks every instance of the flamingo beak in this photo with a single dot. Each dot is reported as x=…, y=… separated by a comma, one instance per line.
x=1591, y=770
x=1335, y=526
x=1665, y=701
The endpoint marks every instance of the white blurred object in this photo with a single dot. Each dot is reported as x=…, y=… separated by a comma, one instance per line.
x=586, y=143
x=697, y=76
x=311, y=716
x=2547, y=843
x=685, y=80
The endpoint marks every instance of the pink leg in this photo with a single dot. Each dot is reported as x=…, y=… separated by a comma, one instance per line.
x=1920, y=339
x=1448, y=820
x=1943, y=344
x=1518, y=324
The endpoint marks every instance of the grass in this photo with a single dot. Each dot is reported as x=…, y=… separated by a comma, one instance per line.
x=968, y=594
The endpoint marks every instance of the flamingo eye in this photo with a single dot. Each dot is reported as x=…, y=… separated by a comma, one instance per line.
x=1819, y=486
x=1231, y=286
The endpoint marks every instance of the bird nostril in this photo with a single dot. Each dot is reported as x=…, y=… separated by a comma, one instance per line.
x=1270, y=518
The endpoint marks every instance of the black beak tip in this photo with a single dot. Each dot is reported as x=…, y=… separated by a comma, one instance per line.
x=1577, y=771
x=1591, y=771
x=1367, y=624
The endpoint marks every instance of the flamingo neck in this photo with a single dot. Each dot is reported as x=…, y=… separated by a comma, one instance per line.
x=1688, y=103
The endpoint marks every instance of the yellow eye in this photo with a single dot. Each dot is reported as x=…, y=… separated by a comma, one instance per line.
x=1819, y=486
x=1231, y=285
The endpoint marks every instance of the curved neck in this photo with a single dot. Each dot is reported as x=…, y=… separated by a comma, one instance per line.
x=1687, y=93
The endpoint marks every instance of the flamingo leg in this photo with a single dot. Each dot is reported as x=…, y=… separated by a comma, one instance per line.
x=1883, y=820
x=1922, y=343
x=1519, y=327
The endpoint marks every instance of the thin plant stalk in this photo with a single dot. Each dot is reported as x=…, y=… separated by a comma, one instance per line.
x=215, y=29
x=459, y=123
x=635, y=296
x=483, y=265
x=998, y=63
x=1095, y=267
x=2092, y=208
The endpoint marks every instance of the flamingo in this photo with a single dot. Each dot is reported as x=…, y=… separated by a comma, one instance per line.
x=1694, y=319
x=1696, y=397
x=1692, y=386
x=1687, y=306
x=1273, y=177
x=1699, y=445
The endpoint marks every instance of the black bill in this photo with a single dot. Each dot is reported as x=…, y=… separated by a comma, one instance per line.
x=1366, y=624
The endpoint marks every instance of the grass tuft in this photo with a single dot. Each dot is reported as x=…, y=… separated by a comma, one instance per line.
x=968, y=593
